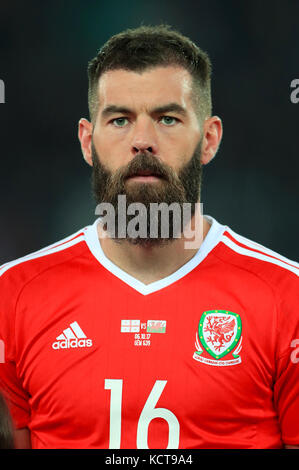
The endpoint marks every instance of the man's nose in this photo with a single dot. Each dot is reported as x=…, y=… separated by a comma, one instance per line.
x=144, y=138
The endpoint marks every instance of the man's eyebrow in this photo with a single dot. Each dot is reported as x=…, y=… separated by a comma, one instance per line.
x=170, y=108
x=166, y=108
x=113, y=109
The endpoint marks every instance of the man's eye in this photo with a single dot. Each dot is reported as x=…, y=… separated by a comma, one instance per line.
x=168, y=120
x=120, y=122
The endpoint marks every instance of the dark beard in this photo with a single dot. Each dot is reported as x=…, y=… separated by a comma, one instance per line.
x=180, y=188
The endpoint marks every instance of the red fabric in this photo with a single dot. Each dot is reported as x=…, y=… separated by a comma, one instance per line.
x=150, y=387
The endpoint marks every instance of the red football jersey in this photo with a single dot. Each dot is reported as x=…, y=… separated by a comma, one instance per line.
x=204, y=358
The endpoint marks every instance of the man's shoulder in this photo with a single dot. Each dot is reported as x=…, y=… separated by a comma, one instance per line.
x=254, y=258
x=26, y=267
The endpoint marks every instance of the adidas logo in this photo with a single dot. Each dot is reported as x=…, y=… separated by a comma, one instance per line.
x=72, y=337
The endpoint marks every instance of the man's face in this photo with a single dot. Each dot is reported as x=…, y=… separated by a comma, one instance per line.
x=146, y=139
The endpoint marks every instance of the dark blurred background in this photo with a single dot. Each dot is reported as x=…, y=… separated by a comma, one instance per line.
x=252, y=184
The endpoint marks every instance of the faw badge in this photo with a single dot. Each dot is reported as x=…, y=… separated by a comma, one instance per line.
x=218, y=341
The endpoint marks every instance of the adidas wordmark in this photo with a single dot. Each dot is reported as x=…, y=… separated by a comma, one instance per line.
x=72, y=337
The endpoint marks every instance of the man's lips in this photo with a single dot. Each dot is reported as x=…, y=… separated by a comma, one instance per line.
x=145, y=175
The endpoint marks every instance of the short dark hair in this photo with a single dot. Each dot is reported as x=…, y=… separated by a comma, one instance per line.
x=146, y=47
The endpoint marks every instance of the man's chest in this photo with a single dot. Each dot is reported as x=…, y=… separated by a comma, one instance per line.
x=172, y=369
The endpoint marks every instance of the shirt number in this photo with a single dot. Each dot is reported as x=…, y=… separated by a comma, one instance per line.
x=148, y=413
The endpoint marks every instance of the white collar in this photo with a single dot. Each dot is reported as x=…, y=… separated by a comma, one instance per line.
x=211, y=240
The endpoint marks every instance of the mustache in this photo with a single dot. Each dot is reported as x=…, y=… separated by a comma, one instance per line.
x=145, y=162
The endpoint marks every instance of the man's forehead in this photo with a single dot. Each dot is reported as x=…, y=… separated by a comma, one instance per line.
x=169, y=84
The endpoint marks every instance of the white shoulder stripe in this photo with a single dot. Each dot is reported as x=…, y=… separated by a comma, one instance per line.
x=257, y=246
x=54, y=248
x=253, y=254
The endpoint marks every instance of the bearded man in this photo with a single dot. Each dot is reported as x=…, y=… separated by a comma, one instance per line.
x=116, y=337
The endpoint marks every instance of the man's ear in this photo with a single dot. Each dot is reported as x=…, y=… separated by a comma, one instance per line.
x=212, y=134
x=85, y=134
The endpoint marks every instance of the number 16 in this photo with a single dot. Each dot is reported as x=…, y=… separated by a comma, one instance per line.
x=148, y=413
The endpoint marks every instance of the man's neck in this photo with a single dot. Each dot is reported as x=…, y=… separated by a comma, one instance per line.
x=150, y=263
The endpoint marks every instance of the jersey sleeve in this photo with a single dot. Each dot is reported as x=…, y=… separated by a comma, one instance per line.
x=286, y=387
x=10, y=384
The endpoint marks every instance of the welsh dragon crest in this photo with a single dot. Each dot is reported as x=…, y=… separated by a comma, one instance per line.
x=219, y=332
